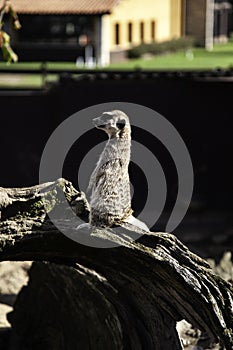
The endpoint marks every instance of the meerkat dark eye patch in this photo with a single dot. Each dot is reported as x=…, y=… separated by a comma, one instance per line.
x=121, y=124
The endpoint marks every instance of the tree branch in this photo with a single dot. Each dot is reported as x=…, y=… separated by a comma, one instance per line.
x=143, y=286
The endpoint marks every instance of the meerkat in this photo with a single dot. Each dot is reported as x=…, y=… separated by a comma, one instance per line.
x=110, y=200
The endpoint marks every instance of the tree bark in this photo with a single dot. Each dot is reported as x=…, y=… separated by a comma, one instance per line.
x=129, y=297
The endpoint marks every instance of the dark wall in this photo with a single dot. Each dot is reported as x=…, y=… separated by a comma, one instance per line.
x=195, y=23
x=200, y=109
x=27, y=119
x=48, y=52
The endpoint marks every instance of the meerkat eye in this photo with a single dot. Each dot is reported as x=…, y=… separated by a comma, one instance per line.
x=120, y=124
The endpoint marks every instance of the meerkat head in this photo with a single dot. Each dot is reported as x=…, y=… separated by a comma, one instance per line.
x=114, y=123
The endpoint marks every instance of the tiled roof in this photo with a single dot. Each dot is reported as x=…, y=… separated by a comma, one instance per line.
x=64, y=6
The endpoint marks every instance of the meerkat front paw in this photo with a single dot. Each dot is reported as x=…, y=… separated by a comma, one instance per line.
x=86, y=228
x=137, y=223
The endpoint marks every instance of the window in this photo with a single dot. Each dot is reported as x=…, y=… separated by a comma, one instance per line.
x=130, y=32
x=117, y=34
x=142, y=31
x=53, y=28
x=153, y=29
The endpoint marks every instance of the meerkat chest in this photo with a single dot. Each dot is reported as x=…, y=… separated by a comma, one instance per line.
x=113, y=185
x=114, y=175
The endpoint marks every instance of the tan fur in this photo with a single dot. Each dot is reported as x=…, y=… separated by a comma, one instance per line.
x=109, y=183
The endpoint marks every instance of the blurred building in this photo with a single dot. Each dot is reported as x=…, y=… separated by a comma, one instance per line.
x=133, y=22
x=207, y=21
x=94, y=31
x=222, y=20
x=101, y=31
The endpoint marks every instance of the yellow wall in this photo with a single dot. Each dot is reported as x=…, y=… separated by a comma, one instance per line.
x=165, y=13
x=176, y=18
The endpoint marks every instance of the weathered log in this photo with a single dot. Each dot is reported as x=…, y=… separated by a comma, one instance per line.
x=128, y=297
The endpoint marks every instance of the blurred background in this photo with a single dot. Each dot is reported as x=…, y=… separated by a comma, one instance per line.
x=174, y=56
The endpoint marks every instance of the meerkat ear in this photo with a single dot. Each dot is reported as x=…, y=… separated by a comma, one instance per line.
x=121, y=124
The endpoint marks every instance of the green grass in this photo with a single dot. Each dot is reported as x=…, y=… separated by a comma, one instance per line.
x=34, y=65
x=32, y=81
x=37, y=65
x=220, y=57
